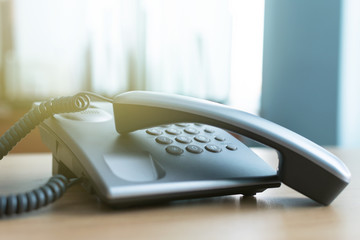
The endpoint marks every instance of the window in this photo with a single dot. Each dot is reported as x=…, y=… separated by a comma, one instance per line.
x=204, y=48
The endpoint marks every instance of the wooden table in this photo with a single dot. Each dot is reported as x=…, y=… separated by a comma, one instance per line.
x=279, y=213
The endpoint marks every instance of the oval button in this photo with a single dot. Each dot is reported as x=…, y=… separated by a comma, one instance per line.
x=163, y=140
x=213, y=148
x=174, y=150
x=194, y=149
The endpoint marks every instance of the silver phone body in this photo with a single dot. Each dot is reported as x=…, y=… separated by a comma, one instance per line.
x=135, y=168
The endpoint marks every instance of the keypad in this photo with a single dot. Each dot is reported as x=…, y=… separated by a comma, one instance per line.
x=192, y=138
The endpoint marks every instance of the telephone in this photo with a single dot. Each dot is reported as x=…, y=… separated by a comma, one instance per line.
x=143, y=147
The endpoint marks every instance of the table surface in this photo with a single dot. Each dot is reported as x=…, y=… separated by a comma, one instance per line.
x=279, y=213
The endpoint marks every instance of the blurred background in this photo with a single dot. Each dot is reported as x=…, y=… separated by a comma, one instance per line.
x=292, y=62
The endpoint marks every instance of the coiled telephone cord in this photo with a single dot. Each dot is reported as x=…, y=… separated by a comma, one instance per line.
x=58, y=184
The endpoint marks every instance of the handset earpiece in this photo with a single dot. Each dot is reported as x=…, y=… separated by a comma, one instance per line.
x=303, y=165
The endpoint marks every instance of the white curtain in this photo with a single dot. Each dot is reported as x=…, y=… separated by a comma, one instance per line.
x=170, y=46
x=48, y=56
x=110, y=46
x=188, y=47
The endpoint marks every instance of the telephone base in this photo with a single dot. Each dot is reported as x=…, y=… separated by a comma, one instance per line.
x=172, y=162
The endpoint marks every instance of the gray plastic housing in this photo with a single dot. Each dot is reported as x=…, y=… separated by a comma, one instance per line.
x=132, y=168
x=303, y=165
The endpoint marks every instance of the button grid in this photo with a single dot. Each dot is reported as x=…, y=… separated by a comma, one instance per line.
x=185, y=133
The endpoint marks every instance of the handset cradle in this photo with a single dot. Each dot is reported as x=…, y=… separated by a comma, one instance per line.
x=303, y=165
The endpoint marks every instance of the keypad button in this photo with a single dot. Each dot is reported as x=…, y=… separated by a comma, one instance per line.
x=220, y=138
x=194, y=149
x=191, y=130
x=163, y=140
x=209, y=130
x=173, y=131
x=231, y=147
x=202, y=139
x=154, y=131
x=213, y=148
x=182, y=124
x=183, y=139
x=174, y=150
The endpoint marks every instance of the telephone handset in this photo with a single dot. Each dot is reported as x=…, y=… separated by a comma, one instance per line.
x=143, y=147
